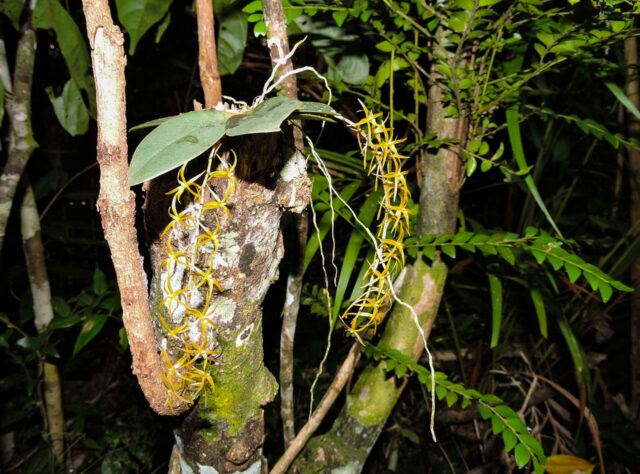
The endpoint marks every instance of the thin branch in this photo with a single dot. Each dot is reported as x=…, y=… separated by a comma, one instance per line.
x=21, y=141
x=318, y=415
x=207, y=56
x=289, y=321
x=117, y=202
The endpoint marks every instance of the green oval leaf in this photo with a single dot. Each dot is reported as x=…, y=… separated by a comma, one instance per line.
x=265, y=118
x=90, y=329
x=70, y=109
x=138, y=16
x=175, y=142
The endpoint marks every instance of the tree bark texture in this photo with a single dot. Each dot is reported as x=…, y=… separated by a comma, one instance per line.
x=207, y=54
x=43, y=311
x=117, y=202
x=633, y=130
x=21, y=141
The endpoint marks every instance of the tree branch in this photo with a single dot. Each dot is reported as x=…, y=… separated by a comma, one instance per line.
x=117, y=203
x=21, y=141
x=207, y=56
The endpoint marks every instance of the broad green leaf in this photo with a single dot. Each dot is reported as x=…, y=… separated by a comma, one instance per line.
x=70, y=109
x=484, y=411
x=265, y=118
x=441, y=392
x=33, y=343
x=605, y=291
x=232, y=39
x=624, y=100
x=472, y=164
x=522, y=455
x=495, y=288
x=541, y=311
x=351, y=68
x=138, y=16
x=90, y=329
x=50, y=14
x=12, y=9
x=175, y=142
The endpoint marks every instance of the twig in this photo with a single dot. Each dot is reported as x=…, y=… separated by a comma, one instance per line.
x=289, y=321
x=207, y=57
x=116, y=202
x=318, y=415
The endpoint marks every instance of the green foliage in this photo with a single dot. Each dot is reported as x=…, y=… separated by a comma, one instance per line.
x=504, y=421
x=539, y=244
x=12, y=9
x=232, y=36
x=70, y=109
x=181, y=138
x=50, y=14
x=137, y=16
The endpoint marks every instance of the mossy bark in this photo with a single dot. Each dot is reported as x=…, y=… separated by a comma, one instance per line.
x=225, y=430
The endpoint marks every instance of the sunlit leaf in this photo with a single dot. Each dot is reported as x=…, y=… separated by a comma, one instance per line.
x=90, y=329
x=265, y=118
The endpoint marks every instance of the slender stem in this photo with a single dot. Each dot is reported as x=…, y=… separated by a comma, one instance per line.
x=207, y=57
x=289, y=321
x=117, y=202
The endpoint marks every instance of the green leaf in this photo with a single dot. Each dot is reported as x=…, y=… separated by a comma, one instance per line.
x=472, y=164
x=522, y=455
x=33, y=343
x=60, y=322
x=122, y=338
x=70, y=109
x=50, y=14
x=314, y=108
x=497, y=425
x=513, y=129
x=451, y=399
x=12, y=9
x=624, y=100
x=385, y=46
x=367, y=212
x=541, y=311
x=232, y=39
x=138, y=16
x=100, y=286
x=175, y=142
x=577, y=354
x=484, y=411
x=605, y=291
x=573, y=271
x=495, y=288
x=429, y=252
x=265, y=118
x=90, y=329
x=510, y=440
x=449, y=250
x=151, y=123
x=340, y=16
x=162, y=27
x=507, y=254
x=441, y=392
